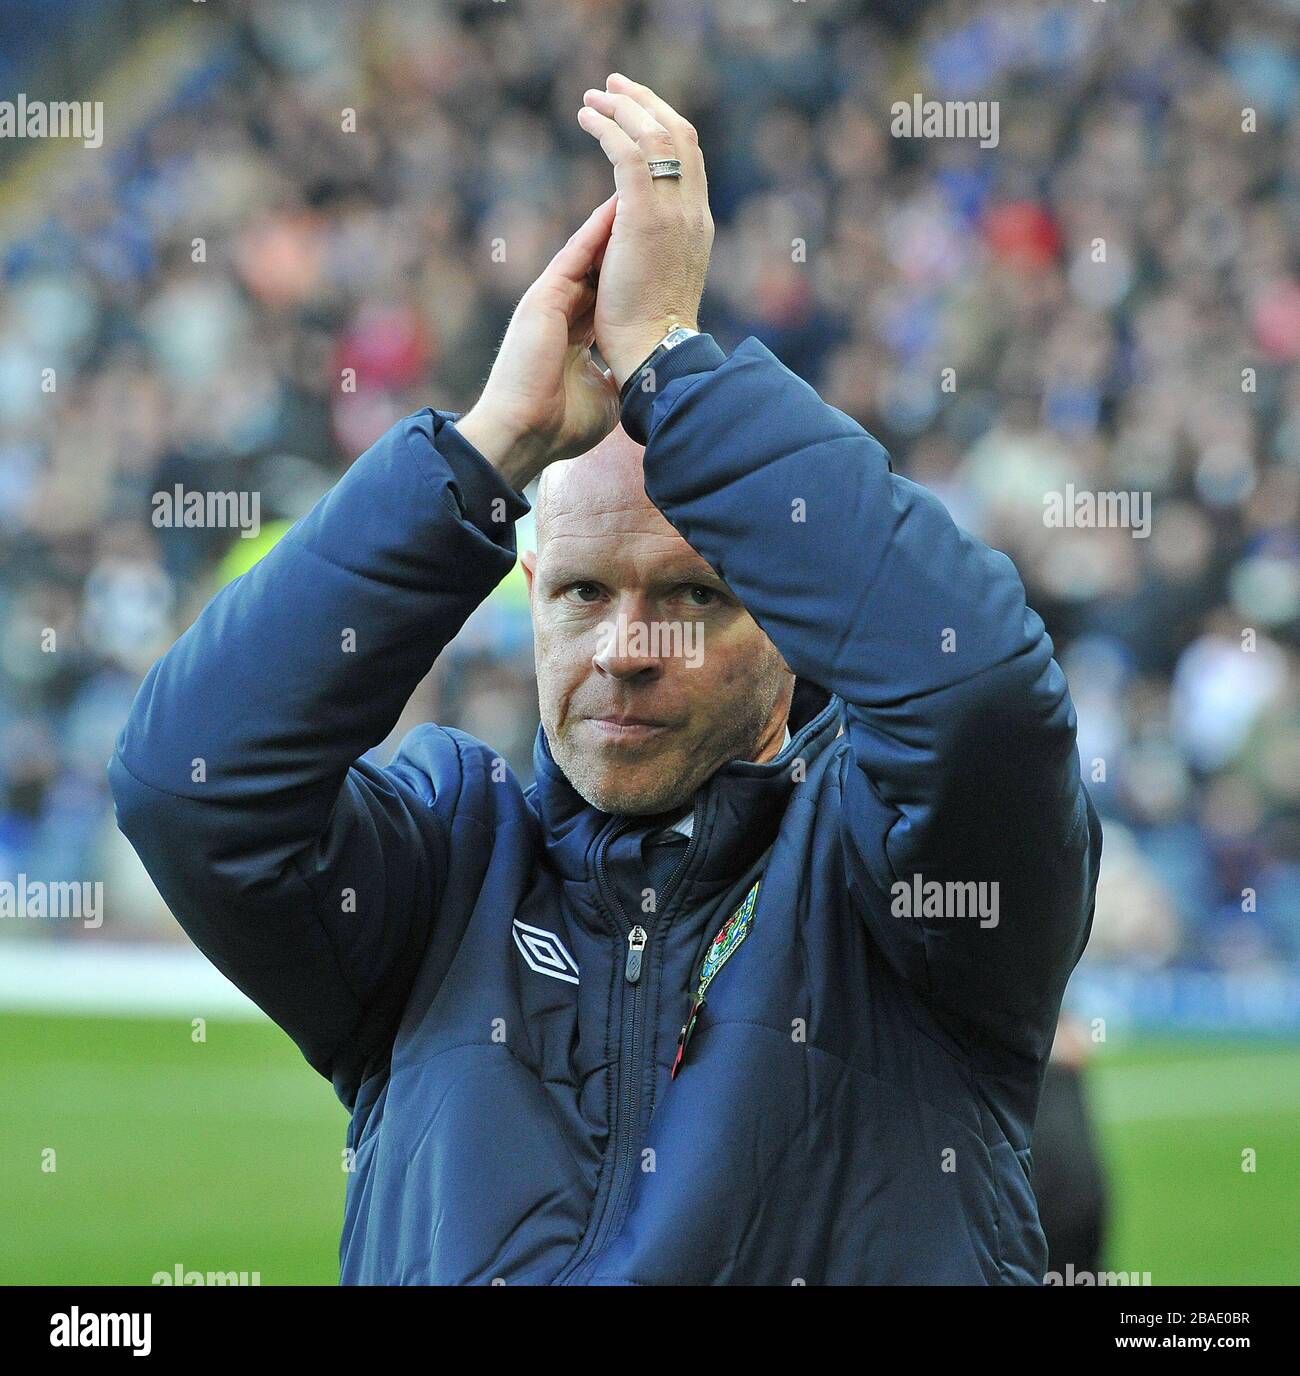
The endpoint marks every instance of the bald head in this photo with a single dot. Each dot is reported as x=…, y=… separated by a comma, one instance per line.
x=650, y=672
x=610, y=477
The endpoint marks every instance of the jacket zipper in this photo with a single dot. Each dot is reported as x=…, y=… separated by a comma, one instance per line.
x=623, y=1135
x=636, y=944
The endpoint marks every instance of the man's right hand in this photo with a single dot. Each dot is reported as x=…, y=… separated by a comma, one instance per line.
x=545, y=398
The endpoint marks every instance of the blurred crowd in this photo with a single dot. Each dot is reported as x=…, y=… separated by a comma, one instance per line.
x=1107, y=299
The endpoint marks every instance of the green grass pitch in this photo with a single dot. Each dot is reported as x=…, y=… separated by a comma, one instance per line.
x=226, y=1155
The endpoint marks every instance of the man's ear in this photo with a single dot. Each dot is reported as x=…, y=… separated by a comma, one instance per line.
x=528, y=558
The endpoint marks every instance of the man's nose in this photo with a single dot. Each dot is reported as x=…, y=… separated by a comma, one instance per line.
x=628, y=647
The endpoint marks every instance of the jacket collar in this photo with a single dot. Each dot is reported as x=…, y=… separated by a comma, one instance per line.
x=737, y=812
x=684, y=823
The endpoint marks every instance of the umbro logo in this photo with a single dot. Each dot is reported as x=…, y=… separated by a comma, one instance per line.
x=545, y=952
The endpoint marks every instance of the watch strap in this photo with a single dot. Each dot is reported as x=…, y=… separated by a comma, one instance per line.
x=674, y=337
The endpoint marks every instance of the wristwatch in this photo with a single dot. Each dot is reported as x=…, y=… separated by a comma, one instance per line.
x=670, y=341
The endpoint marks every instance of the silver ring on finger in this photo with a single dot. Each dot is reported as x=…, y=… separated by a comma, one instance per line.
x=665, y=167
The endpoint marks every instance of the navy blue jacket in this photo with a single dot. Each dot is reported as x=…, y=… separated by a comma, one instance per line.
x=856, y=1100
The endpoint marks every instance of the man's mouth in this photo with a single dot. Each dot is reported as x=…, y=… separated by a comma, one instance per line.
x=615, y=728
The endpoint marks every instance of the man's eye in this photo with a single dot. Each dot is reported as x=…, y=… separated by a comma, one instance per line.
x=701, y=596
x=579, y=592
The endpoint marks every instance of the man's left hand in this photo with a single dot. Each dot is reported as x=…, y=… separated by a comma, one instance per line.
x=657, y=258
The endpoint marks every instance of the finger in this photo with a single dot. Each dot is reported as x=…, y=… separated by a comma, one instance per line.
x=582, y=323
x=685, y=138
x=593, y=273
x=634, y=119
x=638, y=123
x=586, y=245
x=631, y=170
x=570, y=278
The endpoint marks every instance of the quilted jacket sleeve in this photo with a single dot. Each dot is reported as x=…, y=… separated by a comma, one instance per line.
x=965, y=769
x=312, y=879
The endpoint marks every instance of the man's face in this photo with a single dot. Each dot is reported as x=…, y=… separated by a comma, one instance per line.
x=650, y=673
